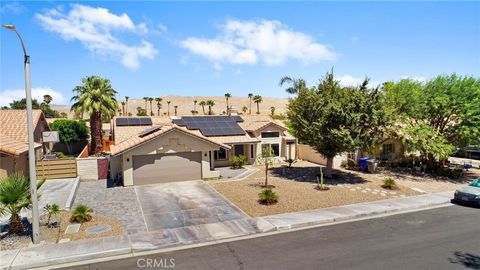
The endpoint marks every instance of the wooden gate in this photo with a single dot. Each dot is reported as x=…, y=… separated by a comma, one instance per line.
x=59, y=168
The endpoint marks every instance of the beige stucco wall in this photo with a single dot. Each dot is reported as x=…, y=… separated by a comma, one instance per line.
x=231, y=153
x=306, y=152
x=87, y=168
x=171, y=142
x=10, y=164
x=278, y=140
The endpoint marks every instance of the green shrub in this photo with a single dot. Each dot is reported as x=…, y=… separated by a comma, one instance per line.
x=238, y=161
x=268, y=197
x=52, y=210
x=81, y=213
x=389, y=183
x=60, y=155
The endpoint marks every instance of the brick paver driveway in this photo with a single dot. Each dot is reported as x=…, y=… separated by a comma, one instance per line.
x=160, y=206
x=182, y=204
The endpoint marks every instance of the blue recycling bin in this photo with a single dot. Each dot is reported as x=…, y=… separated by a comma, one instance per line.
x=362, y=162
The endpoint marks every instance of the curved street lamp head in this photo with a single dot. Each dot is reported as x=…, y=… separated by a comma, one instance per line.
x=9, y=27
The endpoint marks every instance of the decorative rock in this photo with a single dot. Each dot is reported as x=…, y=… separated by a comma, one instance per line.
x=393, y=192
x=99, y=228
x=368, y=189
x=364, y=191
x=64, y=240
x=383, y=194
x=72, y=228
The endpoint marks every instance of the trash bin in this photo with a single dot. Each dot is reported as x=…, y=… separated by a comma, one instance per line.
x=372, y=165
x=363, y=164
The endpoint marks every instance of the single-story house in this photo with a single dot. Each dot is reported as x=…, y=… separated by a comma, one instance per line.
x=147, y=150
x=14, y=140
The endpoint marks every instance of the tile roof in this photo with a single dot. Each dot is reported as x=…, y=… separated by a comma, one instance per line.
x=13, y=130
x=122, y=133
x=13, y=123
x=137, y=140
x=235, y=139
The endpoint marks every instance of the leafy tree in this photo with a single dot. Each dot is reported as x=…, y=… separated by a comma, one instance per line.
x=70, y=131
x=436, y=116
x=334, y=120
x=22, y=104
x=267, y=158
x=14, y=197
x=203, y=104
x=250, y=96
x=258, y=99
x=210, y=103
x=141, y=111
x=227, y=97
x=96, y=97
x=244, y=109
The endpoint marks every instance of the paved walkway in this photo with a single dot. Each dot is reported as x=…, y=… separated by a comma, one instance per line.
x=48, y=255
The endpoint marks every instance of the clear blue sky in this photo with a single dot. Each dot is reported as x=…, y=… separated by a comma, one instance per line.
x=192, y=48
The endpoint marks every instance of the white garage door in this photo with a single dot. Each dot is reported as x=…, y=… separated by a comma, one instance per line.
x=163, y=168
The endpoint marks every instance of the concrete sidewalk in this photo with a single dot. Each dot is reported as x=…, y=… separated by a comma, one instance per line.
x=130, y=245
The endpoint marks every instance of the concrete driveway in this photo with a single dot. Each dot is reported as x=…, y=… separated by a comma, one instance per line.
x=183, y=204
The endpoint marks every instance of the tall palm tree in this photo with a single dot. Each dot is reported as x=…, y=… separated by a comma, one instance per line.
x=227, y=97
x=210, y=104
x=257, y=99
x=244, y=109
x=123, y=107
x=151, y=99
x=296, y=85
x=159, y=104
x=203, y=104
x=175, y=108
x=195, y=107
x=272, y=110
x=47, y=99
x=15, y=196
x=250, y=95
x=146, y=102
x=126, y=104
x=168, y=106
x=96, y=97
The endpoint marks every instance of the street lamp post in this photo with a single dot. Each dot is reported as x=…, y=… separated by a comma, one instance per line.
x=31, y=150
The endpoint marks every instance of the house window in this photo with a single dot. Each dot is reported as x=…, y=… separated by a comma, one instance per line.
x=275, y=147
x=220, y=154
x=387, y=151
x=270, y=134
x=251, y=152
x=239, y=150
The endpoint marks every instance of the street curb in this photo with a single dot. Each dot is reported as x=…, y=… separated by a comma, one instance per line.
x=73, y=193
x=267, y=228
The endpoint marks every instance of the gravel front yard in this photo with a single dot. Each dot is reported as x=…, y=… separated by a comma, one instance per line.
x=296, y=190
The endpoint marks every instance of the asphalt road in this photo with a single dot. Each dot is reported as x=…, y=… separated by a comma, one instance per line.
x=442, y=238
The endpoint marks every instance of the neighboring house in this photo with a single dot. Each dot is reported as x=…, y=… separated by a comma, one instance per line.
x=147, y=150
x=14, y=140
x=390, y=150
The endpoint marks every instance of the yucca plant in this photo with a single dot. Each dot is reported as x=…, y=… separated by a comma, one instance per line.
x=81, y=213
x=52, y=210
x=389, y=183
x=268, y=197
x=14, y=197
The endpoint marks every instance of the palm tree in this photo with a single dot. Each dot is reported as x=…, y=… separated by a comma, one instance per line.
x=227, y=96
x=97, y=98
x=119, y=112
x=14, y=197
x=250, y=95
x=244, y=109
x=257, y=99
x=272, y=110
x=210, y=103
x=168, y=106
x=126, y=104
x=151, y=99
x=47, y=99
x=123, y=107
x=194, y=107
x=146, y=102
x=159, y=104
x=203, y=104
x=296, y=84
x=175, y=108
x=52, y=210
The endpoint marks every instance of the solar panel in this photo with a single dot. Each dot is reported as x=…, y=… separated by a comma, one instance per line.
x=121, y=121
x=149, y=131
x=211, y=125
x=134, y=121
x=145, y=121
